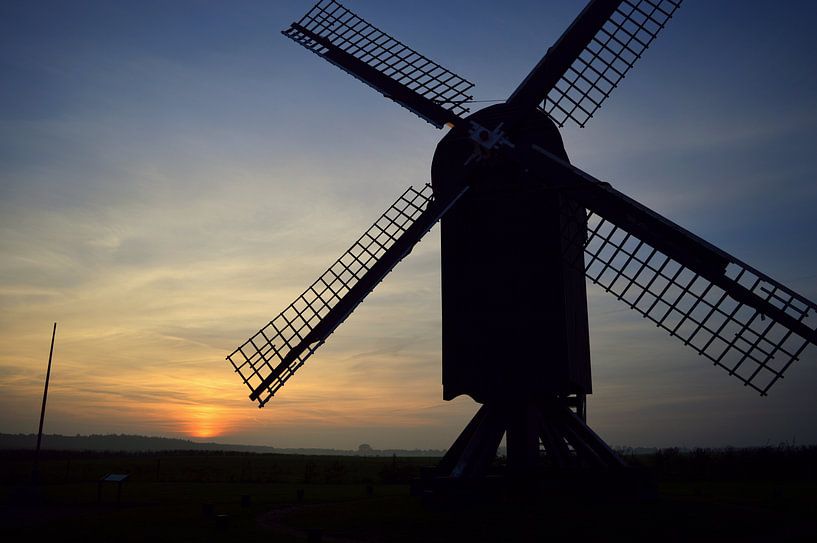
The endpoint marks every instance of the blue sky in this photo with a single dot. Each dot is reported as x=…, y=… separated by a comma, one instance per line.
x=174, y=174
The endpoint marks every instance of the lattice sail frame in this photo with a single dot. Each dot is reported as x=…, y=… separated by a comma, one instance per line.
x=737, y=337
x=605, y=61
x=354, y=35
x=257, y=358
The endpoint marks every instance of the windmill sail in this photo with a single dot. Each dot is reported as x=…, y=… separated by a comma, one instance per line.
x=390, y=67
x=270, y=357
x=739, y=318
x=592, y=57
x=728, y=326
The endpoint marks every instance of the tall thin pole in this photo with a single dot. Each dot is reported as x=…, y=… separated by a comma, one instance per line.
x=42, y=411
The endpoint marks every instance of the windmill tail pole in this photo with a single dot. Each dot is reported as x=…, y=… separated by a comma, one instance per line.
x=35, y=474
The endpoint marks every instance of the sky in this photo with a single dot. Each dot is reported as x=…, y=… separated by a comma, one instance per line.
x=172, y=175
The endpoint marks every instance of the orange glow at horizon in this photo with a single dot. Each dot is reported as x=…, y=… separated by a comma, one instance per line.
x=205, y=422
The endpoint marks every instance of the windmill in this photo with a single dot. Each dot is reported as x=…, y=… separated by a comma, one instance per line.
x=522, y=231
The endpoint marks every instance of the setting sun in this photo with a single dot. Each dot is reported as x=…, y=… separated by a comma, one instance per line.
x=205, y=422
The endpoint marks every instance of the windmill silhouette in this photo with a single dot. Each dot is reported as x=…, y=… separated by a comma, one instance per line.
x=522, y=230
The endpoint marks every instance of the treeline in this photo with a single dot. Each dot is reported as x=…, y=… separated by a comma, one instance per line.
x=116, y=443
x=138, y=443
x=210, y=467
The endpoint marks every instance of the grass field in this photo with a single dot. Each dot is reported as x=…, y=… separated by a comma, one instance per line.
x=757, y=495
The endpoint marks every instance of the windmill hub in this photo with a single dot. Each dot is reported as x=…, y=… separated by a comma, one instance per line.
x=492, y=164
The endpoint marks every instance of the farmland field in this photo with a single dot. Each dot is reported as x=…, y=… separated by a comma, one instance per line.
x=755, y=495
